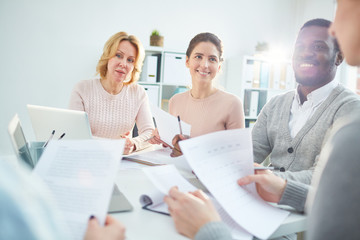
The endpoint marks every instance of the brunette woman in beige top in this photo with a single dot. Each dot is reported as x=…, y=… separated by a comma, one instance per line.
x=206, y=108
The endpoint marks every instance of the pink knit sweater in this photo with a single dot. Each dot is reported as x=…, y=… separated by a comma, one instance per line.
x=219, y=111
x=113, y=115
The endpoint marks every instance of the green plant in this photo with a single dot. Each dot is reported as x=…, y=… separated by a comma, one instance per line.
x=155, y=33
x=262, y=46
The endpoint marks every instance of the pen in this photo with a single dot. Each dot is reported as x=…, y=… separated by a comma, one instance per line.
x=180, y=125
x=51, y=136
x=62, y=135
x=125, y=135
x=281, y=169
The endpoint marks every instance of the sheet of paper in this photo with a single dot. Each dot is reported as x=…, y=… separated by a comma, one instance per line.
x=166, y=176
x=80, y=175
x=130, y=165
x=161, y=156
x=219, y=159
x=168, y=125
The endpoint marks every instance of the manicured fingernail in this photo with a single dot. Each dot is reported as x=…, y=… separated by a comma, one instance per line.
x=92, y=217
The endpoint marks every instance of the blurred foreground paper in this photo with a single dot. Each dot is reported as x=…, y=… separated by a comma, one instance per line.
x=80, y=175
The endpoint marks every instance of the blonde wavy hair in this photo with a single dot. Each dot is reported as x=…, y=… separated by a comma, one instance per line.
x=110, y=49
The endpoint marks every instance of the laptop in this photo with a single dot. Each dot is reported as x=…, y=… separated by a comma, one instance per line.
x=19, y=142
x=75, y=124
x=118, y=203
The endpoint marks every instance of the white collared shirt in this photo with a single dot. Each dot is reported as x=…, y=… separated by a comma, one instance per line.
x=301, y=113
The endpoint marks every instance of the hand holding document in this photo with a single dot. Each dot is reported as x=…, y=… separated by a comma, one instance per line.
x=219, y=159
x=165, y=177
x=80, y=175
x=168, y=125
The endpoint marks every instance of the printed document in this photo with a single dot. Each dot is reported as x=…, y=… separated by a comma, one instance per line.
x=80, y=175
x=166, y=176
x=168, y=125
x=219, y=159
x=159, y=157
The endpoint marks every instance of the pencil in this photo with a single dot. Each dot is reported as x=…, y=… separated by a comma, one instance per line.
x=180, y=125
x=51, y=136
x=281, y=169
x=149, y=138
x=62, y=135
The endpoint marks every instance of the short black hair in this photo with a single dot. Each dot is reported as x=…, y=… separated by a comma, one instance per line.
x=320, y=22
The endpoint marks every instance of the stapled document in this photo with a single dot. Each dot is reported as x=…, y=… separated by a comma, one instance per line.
x=219, y=159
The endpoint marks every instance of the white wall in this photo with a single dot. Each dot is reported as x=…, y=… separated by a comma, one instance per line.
x=309, y=9
x=47, y=46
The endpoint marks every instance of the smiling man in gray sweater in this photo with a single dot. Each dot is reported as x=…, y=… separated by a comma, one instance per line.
x=292, y=126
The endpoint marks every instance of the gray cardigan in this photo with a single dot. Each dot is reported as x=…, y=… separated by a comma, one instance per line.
x=271, y=134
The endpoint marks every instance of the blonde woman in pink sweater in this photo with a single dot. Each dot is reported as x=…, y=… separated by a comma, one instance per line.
x=206, y=108
x=114, y=101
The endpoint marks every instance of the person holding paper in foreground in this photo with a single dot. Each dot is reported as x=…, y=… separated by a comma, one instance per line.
x=206, y=108
x=195, y=216
x=115, y=102
x=335, y=211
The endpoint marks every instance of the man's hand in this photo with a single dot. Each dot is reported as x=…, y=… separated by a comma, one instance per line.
x=269, y=187
x=113, y=230
x=190, y=211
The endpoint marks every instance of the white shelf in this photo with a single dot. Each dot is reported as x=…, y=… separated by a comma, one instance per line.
x=262, y=79
x=166, y=86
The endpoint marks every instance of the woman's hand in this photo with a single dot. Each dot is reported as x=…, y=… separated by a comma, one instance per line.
x=269, y=186
x=190, y=211
x=176, y=152
x=155, y=139
x=129, y=145
x=112, y=230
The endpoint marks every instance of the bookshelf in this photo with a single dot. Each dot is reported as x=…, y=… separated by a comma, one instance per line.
x=164, y=74
x=263, y=78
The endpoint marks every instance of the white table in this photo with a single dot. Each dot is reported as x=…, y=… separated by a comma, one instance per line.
x=143, y=224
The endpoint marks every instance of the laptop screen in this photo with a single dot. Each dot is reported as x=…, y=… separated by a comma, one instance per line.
x=75, y=124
